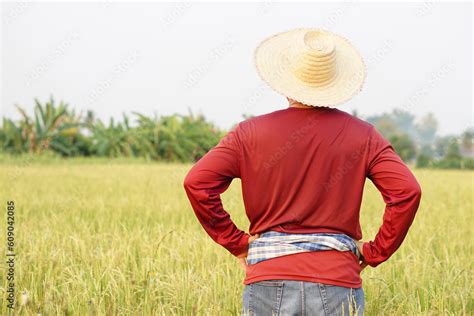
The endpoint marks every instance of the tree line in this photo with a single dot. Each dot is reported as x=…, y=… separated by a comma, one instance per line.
x=58, y=128
x=419, y=142
x=55, y=127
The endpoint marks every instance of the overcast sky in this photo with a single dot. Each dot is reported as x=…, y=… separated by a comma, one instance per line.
x=165, y=58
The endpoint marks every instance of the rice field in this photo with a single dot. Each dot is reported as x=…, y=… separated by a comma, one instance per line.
x=118, y=237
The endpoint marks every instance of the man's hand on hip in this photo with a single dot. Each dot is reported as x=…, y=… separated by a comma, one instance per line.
x=243, y=257
x=360, y=245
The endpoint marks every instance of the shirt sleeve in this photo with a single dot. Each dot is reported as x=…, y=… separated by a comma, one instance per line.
x=401, y=194
x=206, y=180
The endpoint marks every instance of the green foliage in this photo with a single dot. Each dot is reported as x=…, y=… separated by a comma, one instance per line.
x=403, y=145
x=55, y=128
x=423, y=161
x=453, y=151
x=467, y=142
x=394, y=123
x=419, y=140
x=448, y=163
x=453, y=158
x=113, y=140
x=449, y=150
x=468, y=163
x=11, y=137
x=441, y=145
x=426, y=129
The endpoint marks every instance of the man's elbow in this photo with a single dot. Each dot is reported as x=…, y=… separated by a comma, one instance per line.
x=409, y=192
x=189, y=180
x=414, y=190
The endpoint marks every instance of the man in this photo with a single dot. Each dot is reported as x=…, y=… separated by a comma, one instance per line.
x=303, y=171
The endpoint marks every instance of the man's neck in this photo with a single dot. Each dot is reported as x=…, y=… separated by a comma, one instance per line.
x=296, y=104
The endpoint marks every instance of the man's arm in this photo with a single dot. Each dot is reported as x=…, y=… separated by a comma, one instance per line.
x=401, y=193
x=204, y=183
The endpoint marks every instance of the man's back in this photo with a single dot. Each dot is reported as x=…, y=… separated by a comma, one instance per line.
x=303, y=171
x=310, y=156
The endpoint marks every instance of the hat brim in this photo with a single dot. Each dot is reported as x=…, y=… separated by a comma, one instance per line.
x=272, y=60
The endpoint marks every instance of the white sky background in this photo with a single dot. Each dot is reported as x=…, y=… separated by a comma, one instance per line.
x=167, y=57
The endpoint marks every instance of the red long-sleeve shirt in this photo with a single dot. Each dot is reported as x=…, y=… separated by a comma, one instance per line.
x=303, y=170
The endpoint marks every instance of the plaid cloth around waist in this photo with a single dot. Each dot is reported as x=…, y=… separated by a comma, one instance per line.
x=274, y=244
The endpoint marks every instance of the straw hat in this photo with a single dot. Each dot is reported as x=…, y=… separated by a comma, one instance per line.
x=312, y=66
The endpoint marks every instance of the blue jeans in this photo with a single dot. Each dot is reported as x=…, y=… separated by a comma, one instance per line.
x=290, y=297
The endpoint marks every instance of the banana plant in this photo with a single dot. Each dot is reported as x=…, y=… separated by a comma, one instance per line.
x=11, y=137
x=113, y=140
x=53, y=127
x=57, y=128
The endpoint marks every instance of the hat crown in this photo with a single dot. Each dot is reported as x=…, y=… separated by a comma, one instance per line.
x=315, y=63
x=318, y=43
